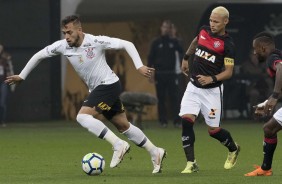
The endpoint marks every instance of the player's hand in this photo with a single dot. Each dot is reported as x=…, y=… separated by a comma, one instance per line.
x=259, y=110
x=204, y=80
x=146, y=71
x=185, y=67
x=13, y=79
x=270, y=105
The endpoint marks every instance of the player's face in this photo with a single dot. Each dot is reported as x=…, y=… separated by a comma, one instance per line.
x=259, y=51
x=71, y=34
x=165, y=28
x=218, y=23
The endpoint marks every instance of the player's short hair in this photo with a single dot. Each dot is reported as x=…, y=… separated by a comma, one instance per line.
x=71, y=19
x=221, y=11
x=264, y=37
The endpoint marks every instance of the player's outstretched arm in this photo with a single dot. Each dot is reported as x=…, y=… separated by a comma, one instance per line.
x=13, y=79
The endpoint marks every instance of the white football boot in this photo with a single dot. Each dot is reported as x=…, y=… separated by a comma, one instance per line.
x=157, y=160
x=119, y=151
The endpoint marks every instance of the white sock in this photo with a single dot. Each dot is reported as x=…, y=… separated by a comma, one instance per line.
x=134, y=134
x=96, y=127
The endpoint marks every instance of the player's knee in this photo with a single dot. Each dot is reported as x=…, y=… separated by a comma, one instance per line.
x=81, y=119
x=268, y=131
x=213, y=131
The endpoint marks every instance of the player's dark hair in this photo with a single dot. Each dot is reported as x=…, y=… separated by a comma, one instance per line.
x=264, y=37
x=72, y=18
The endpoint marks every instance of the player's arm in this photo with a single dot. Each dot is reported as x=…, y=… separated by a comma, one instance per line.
x=190, y=51
x=49, y=51
x=133, y=53
x=31, y=64
x=272, y=100
x=227, y=72
x=278, y=80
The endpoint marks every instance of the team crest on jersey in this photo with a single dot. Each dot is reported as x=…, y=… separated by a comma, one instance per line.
x=89, y=53
x=216, y=44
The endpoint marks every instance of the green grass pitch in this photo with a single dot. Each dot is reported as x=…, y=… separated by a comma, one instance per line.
x=51, y=153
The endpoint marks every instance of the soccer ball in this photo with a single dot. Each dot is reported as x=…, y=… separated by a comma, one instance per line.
x=93, y=164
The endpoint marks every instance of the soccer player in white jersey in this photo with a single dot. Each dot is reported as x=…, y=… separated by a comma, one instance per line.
x=86, y=53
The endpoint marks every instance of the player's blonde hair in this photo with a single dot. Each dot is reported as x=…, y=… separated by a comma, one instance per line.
x=221, y=11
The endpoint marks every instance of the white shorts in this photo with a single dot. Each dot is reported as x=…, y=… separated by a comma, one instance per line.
x=208, y=101
x=278, y=116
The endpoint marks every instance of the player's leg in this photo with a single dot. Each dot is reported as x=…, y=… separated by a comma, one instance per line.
x=211, y=110
x=270, y=129
x=190, y=107
x=99, y=100
x=136, y=135
x=98, y=128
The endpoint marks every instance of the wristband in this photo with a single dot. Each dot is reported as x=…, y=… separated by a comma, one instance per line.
x=275, y=95
x=186, y=57
x=214, y=79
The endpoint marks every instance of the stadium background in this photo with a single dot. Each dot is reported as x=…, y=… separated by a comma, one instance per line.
x=53, y=91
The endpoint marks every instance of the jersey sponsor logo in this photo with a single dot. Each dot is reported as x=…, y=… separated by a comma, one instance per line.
x=87, y=45
x=205, y=55
x=101, y=42
x=212, y=113
x=54, y=51
x=228, y=61
x=89, y=53
x=103, y=106
x=216, y=44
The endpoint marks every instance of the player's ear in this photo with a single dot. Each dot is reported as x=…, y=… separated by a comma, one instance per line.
x=226, y=20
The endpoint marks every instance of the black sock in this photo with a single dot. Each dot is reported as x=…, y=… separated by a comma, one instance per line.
x=188, y=138
x=269, y=145
x=225, y=138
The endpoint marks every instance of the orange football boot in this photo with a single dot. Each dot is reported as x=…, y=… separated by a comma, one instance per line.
x=259, y=172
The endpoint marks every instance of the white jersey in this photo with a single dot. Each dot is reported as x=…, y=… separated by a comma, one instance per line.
x=88, y=60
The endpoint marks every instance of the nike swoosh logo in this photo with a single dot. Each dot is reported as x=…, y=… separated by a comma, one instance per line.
x=158, y=159
x=120, y=157
x=202, y=37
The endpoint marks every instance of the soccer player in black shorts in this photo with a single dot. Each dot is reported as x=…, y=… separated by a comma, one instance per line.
x=86, y=53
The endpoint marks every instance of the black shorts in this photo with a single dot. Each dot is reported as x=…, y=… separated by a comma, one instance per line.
x=105, y=99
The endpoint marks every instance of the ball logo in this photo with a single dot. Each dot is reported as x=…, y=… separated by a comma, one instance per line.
x=89, y=53
x=216, y=44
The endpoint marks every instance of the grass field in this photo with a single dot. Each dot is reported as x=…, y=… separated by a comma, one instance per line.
x=51, y=153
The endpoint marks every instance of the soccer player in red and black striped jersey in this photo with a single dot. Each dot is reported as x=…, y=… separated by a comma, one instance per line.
x=265, y=51
x=213, y=51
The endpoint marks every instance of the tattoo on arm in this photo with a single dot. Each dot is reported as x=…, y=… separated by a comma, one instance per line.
x=192, y=48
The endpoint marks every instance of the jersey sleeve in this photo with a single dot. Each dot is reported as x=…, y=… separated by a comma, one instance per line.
x=273, y=61
x=49, y=51
x=54, y=49
x=107, y=42
x=229, y=55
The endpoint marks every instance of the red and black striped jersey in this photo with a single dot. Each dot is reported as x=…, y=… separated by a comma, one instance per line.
x=274, y=58
x=209, y=55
